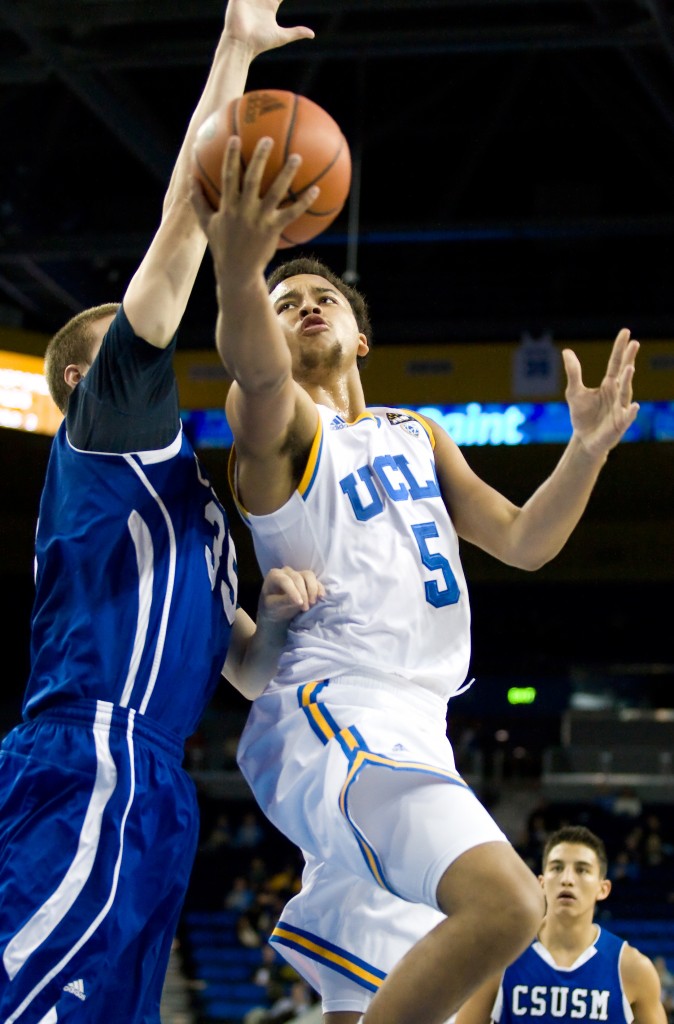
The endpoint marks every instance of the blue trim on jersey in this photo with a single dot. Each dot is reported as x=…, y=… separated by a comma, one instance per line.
x=311, y=470
x=358, y=756
x=318, y=716
x=327, y=953
x=361, y=759
x=362, y=745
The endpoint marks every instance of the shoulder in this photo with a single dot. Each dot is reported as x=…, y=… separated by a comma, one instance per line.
x=124, y=330
x=635, y=963
x=407, y=419
x=638, y=974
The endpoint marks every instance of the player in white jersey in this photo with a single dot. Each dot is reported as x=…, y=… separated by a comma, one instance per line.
x=346, y=750
x=364, y=545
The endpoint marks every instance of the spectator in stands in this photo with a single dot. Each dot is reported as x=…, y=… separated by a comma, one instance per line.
x=273, y=975
x=573, y=968
x=228, y=749
x=286, y=881
x=256, y=925
x=627, y=803
x=221, y=833
x=653, y=827
x=634, y=841
x=288, y=1007
x=654, y=855
x=624, y=868
x=240, y=896
x=258, y=872
x=249, y=833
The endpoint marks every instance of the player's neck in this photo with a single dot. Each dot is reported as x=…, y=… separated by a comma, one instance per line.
x=566, y=940
x=345, y=396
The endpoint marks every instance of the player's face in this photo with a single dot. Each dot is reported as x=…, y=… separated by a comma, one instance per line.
x=572, y=879
x=318, y=323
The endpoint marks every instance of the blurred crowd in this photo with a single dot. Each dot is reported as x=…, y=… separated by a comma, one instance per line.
x=245, y=866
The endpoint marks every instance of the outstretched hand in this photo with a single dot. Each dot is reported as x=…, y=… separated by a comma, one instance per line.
x=253, y=23
x=246, y=229
x=286, y=592
x=601, y=416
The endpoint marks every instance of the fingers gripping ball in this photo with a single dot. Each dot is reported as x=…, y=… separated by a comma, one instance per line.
x=297, y=125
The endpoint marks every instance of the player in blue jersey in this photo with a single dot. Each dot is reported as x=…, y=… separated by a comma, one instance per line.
x=411, y=895
x=574, y=969
x=135, y=618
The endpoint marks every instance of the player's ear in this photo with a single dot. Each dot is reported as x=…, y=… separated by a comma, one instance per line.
x=73, y=375
x=604, y=889
x=363, y=345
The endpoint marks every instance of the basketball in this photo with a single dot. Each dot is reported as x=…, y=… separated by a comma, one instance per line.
x=297, y=125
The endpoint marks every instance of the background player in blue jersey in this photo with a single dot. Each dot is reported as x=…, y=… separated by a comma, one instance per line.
x=135, y=616
x=411, y=896
x=574, y=969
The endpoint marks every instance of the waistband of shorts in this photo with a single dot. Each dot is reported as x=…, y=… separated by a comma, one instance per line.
x=353, y=689
x=145, y=730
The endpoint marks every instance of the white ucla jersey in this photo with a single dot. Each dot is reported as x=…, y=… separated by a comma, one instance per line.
x=369, y=519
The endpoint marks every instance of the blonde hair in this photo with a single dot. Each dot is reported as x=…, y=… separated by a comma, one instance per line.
x=72, y=344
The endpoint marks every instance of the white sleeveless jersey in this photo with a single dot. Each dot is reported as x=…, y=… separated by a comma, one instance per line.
x=369, y=519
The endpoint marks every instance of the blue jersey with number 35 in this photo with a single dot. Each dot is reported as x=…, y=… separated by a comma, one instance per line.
x=136, y=583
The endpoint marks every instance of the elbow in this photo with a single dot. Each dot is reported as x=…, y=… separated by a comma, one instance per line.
x=253, y=688
x=249, y=685
x=531, y=561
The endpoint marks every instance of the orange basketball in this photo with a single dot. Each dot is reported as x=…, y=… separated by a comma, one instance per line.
x=297, y=125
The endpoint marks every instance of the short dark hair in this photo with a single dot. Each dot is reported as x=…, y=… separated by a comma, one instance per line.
x=312, y=265
x=583, y=837
x=72, y=344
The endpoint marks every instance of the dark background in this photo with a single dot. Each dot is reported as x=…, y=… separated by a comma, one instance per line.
x=513, y=171
x=513, y=161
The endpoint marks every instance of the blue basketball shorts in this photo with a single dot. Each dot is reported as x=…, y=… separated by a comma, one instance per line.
x=98, y=833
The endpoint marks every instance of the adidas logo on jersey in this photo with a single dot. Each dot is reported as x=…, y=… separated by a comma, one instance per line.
x=338, y=423
x=76, y=988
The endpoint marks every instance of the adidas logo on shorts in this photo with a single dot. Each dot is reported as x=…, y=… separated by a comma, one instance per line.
x=76, y=988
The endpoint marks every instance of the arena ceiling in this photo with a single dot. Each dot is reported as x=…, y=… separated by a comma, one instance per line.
x=514, y=160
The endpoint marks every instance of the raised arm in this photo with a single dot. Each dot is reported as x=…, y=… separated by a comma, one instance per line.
x=157, y=295
x=255, y=647
x=530, y=536
x=272, y=418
